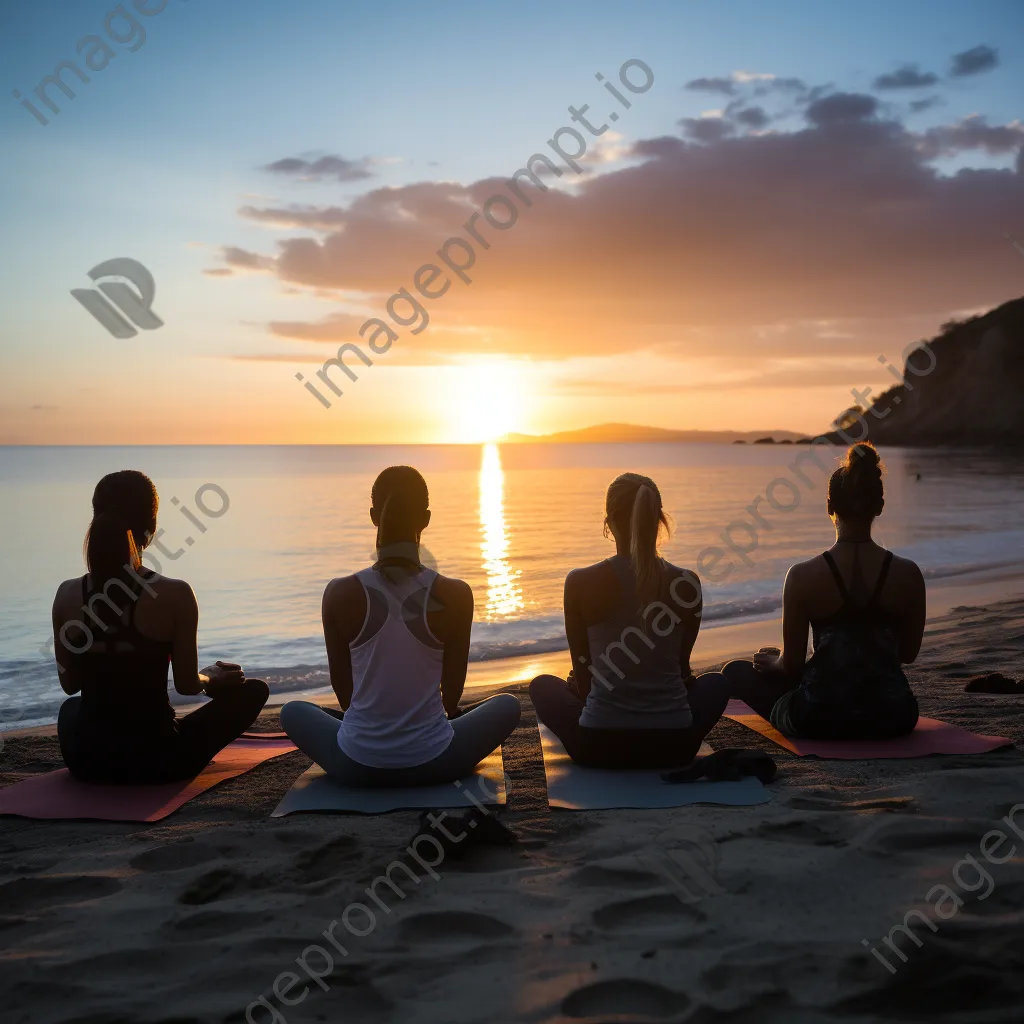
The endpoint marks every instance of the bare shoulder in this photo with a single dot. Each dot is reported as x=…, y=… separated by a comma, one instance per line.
x=68, y=596
x=453, y=592
x=688, y=576
x=340, y=590
x=680, y=570
x=906, y=569
x=178, y=591
x=807, y=569
x=582, y=577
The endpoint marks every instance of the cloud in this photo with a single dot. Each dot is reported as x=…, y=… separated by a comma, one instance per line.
x=751, y=117
x=336, y=167
x=842, y=106
x=974, y=61
x=906, y=77
x=335, y=328
x=725, y=86
x=789, y=373
x=240, y=259
x=738, y=245
x=973, y=132
x=918, y=106
x=316, y=218
x=705, y=129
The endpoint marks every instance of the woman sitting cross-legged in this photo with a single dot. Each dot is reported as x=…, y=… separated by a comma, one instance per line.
x=397, y=638
x=631, y=622
x=115, y=631
x=865, y=607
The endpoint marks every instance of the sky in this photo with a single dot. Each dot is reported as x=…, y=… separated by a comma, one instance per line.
x=793, y=191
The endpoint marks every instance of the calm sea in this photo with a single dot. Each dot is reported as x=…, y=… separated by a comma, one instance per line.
x=279, y=522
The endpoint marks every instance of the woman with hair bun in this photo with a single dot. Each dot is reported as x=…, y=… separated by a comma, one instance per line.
x=115, y=631
x=631, y=622
x=397, y=637
x=865, y=608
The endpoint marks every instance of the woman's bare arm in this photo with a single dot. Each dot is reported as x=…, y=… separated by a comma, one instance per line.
x=795, y=623
x=338, y=619
x=184, y=652
x=457, y=597
x=576, y=634
x=915, y=613
x=66, y=671
x=686, y=593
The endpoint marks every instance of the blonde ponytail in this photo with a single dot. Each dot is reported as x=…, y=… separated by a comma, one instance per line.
x=634, y=505
x=644, y=523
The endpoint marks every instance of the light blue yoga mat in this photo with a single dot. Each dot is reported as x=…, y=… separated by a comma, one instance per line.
x=314, y=791
x=574, y=788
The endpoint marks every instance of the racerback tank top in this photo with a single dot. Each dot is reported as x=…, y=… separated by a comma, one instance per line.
x=396, y=718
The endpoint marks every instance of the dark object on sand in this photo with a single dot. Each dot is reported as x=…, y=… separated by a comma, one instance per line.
x=994, y=682
x=470, y=828
x=728, y=765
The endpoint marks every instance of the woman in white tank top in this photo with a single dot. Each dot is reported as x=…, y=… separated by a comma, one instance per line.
x=397, y=639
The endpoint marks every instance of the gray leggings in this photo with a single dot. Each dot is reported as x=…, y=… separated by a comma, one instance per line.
x=478, y=732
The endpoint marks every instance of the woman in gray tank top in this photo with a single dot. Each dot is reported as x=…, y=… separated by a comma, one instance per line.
x=631, y=622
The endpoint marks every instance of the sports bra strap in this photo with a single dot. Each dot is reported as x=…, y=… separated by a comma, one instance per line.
x=882, y=576
x=830, y=562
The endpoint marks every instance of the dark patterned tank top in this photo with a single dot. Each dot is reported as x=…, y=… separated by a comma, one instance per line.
x=856, y=659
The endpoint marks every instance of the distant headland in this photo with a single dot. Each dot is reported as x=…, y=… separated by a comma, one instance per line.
x=629, y=433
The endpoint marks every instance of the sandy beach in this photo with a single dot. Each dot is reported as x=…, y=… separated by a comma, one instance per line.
x=195, y=918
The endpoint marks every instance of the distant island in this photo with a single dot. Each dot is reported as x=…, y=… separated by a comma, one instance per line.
x=629, y=433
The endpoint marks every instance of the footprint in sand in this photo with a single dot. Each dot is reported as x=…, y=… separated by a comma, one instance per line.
x=47, y=891
x=823, y=802
x=175, y=856
x=212, y=924
x=452, y=927
x=898, y=835
x=607, y=874
x=646, y=914
x=801, y=830
x=328, y=860
x=624, y=997
x=211, y=886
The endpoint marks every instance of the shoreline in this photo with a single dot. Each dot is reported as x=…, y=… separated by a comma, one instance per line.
x=716, y=644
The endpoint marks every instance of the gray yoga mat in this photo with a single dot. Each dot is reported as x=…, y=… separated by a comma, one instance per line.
x=314, y=791
x=590, y=789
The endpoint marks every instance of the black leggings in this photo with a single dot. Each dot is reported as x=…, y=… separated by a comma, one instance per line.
x=559, y=709
x=774, y=697
x=118, y=756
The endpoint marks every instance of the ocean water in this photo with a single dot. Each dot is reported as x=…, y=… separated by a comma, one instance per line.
x=258, y=532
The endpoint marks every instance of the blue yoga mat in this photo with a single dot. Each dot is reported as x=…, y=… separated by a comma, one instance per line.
x=314, y=791
x=574, y=788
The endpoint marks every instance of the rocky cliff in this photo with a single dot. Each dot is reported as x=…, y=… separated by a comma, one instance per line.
x=965, y=386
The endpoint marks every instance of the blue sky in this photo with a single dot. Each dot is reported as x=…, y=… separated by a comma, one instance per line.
x=156, y=155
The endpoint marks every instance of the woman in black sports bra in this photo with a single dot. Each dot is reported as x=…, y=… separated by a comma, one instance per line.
x=115, y=631
x=865, y=608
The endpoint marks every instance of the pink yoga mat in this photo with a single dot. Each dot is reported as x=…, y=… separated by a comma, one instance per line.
x=58, y=795
x=930, y=737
